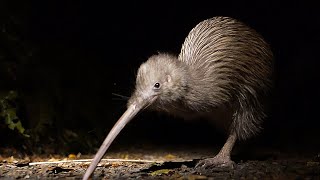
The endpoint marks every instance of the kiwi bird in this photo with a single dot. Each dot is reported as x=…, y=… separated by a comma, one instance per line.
x=224, y=66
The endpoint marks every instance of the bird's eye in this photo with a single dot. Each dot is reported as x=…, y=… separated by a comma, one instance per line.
x=156, y=85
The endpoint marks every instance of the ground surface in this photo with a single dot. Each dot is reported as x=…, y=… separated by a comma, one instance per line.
x=169, y=163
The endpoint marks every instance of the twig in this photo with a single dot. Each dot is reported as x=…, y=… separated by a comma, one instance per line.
x=89, y=160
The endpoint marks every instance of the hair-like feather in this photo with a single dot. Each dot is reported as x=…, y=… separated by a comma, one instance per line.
x=223, y=63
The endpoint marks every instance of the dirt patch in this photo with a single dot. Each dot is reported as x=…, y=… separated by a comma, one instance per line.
x=159, y=164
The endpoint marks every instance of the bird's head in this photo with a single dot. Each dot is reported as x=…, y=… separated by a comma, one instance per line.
x=162, y=79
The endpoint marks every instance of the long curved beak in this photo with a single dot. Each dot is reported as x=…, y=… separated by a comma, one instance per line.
x=124, y=119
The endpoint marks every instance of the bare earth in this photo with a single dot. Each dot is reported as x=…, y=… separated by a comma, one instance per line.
x=165, y=164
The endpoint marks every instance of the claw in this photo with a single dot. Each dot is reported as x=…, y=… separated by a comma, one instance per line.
x=217, y=161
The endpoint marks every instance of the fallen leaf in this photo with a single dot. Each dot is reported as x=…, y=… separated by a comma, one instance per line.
x=11, y=159
x=161, y=172
x=196, y=177
x=170, y=157
x=72, y=156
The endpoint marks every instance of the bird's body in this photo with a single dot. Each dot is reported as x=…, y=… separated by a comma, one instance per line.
x=224, y=66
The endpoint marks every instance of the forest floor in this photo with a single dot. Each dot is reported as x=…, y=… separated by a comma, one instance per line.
x=165, y=163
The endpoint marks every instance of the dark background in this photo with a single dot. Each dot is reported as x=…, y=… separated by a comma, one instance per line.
x=65, y=58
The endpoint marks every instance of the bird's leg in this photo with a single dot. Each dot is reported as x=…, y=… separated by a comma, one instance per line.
x=223, y=158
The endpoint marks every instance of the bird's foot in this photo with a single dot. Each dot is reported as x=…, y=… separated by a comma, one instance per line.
x=217, y=161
